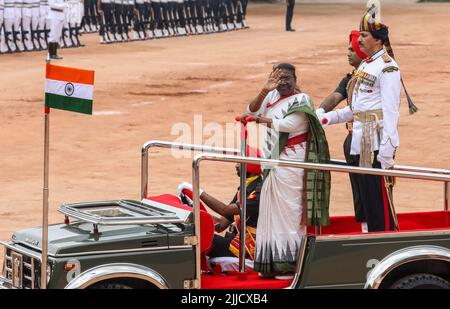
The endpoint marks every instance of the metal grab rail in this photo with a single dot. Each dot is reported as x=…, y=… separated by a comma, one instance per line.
x=339, y=166
x=322, y=167
x=172, y=145
x=193, y=147
x=305, y=165
x=418, y=169
x=405, y=168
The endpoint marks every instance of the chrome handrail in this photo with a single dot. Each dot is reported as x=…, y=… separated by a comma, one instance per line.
x=172, y=145
x=321, y=166
x=418, y=169
x=399, y=171
x=405, y=168
x=164, y=144
x=304, y=165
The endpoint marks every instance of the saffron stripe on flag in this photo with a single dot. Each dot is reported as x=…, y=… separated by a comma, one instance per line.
x=69, y=74
x=68, y=103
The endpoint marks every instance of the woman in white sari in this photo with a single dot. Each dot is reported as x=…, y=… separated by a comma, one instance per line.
x=281, y=223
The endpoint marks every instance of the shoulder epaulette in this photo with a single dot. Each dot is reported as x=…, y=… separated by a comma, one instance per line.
x=390, y=69
x=387, y=58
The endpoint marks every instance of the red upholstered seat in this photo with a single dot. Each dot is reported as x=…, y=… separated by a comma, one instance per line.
x=338, y=225
x=412, y=221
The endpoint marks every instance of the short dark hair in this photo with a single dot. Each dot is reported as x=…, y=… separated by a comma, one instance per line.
x=286, y=66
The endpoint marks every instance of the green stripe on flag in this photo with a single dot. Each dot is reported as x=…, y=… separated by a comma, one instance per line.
x=68, y=103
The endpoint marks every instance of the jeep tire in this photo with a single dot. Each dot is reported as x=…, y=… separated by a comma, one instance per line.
x=421, y=281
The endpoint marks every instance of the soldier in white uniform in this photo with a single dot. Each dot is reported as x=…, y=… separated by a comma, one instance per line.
x=181, y=17
x=166, y=31
x=73, y=17
x=117, y=9
x=26, y=25
x=89, y=7
x=66, y=40
x=35, y=24
x=149, y=19
x=374, y=101
x=189, y=11
x=158, y=21
x=43, y=23
x=139, y=32
x=18, y=6
x=126, y=19
x=3, y=48
x=106, y=21
x=8, y=22
x=56, y=16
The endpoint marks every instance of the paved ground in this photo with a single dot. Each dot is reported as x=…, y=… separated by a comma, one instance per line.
x=143, y=88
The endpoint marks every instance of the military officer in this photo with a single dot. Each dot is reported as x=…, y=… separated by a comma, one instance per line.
x=26, y=25
x=3, y=48
x=8, y=22
x=43, y=23
x=139, y=21
x=18, y=39
x=374, y=101
x=354, y=56
x=56, y=16
x=105, y=14
x=35, y=25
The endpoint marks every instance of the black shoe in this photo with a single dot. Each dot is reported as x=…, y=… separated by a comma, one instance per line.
x=55, y=57
x=290, y=29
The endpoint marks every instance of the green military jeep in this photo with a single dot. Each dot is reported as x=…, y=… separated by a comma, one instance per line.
x=158, y=243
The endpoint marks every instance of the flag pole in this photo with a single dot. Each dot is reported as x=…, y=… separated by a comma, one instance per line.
x=45, y=197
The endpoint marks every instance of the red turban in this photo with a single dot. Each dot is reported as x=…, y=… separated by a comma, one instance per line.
x=353, y=38
x=253, y=168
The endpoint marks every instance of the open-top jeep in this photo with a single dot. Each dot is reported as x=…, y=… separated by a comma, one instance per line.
x=158, y=242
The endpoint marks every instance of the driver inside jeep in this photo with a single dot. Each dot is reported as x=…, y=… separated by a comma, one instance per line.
x=224, y=253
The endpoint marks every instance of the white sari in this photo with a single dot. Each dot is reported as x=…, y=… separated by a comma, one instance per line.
x=280, y=228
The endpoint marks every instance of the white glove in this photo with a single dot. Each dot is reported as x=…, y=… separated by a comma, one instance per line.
x=327, y=118
x=320, y=112
x=386, y=155
x=186, y=185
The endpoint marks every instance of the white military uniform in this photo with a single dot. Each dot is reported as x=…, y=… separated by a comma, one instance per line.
x=43, y=21
x=35, y=21
x=18, y=6
x=57, y=14
x=26, y=23
x=8, y=20
x=377, y=87
x=3, y=48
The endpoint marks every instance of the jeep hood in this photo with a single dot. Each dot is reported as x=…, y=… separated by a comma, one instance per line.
x=78, y=237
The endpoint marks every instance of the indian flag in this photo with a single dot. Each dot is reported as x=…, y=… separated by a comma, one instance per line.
x=69, y=88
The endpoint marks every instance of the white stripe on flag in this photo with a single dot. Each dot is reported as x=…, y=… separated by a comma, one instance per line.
x=75, y=90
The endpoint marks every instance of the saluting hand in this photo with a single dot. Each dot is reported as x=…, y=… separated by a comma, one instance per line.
x=274, y=80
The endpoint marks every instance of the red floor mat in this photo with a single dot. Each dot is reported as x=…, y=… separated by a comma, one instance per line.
x=246, y=281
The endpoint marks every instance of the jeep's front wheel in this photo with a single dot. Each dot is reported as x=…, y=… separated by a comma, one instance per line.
x=421, y=281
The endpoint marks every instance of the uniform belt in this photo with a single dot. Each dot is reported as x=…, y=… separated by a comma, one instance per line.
x=368, y=116
x=57, y=10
